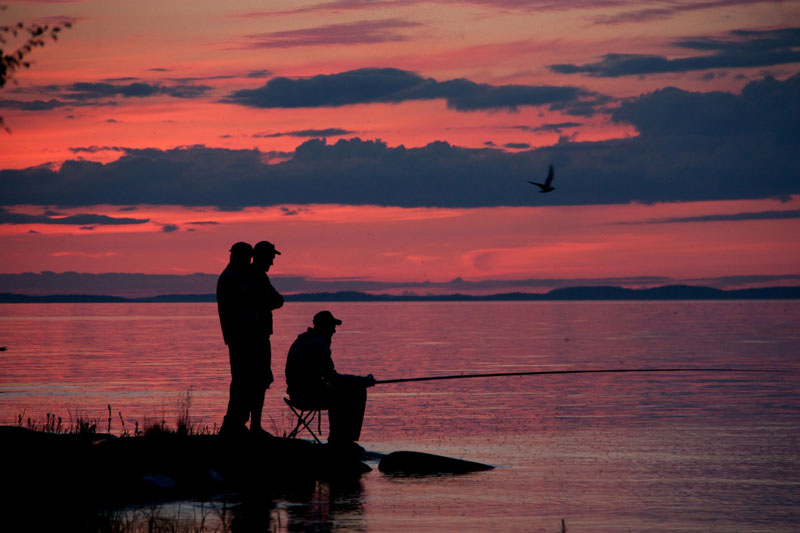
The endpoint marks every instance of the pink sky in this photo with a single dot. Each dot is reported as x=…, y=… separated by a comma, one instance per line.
x=502, y=43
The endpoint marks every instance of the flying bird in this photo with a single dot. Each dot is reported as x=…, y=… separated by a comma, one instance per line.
x=545, y=187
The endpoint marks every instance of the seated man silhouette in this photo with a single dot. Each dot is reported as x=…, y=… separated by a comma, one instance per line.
x=312, y=382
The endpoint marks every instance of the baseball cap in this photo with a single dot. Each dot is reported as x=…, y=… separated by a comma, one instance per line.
x=326, y=317
x=267, y=247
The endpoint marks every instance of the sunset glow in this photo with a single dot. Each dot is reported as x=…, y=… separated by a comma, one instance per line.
x=667, y=126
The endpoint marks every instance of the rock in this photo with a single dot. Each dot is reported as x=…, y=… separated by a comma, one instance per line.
x=418, y=463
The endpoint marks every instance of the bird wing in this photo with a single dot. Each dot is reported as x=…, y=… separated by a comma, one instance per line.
x=537, y=184
x=549, y=179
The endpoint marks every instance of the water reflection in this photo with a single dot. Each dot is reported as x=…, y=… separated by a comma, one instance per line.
x=327, y=505
x=322, y=505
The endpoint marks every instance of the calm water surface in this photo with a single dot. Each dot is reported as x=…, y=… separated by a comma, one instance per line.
x=609, y=452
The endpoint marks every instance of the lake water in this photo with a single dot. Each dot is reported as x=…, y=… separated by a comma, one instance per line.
x=604, y=452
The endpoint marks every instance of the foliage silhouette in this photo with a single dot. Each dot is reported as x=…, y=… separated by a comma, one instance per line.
x=37, y=36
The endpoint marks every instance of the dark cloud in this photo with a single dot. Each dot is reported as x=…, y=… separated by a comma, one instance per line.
x=186, y=91
x=555, y=128
x=669, y=9
x=691, y=146
x=103, y=93
x=361, y=32
x=768, y=106
x=388, y=85
x=741, y=48
x=194, y=79
x=504, y=5
x=95, y=149
x=51, y=217
x=33, y=105
x=94, y=91
x=517, y=146
x=169, y=228
x=258, y=74
x=290, y=212
x=203, y=223
x=731, y=217
x=87, y=228
x=327, y=132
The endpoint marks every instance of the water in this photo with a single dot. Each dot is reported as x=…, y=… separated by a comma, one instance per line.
x=607, y=452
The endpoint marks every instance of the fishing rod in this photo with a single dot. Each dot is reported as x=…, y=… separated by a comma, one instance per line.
x=589, y=371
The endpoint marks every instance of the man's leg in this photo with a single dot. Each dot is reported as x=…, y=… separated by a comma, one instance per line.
x=262, y=379
x=346, y=414
x=236, y=415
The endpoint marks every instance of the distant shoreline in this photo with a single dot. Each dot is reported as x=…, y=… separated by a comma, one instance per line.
x=667, y=292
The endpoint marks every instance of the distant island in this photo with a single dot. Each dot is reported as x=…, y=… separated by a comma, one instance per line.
x=667, y=292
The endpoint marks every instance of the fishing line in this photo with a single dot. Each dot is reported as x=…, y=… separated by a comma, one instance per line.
x=589, y=371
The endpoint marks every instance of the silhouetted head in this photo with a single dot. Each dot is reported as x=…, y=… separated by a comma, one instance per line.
x=325, y=324
x=264, y=254
x=241, y=252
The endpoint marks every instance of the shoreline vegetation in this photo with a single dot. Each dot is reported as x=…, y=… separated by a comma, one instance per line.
x=595, y=293
x=99, y=480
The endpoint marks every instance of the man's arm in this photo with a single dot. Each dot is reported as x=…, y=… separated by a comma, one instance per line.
x=272, y=297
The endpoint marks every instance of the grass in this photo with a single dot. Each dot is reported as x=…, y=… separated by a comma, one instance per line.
x=205, y=518
x=80, y=424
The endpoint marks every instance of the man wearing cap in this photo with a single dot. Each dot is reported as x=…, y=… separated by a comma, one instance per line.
x=313, y=381
x=266, y=300
x=239, y=321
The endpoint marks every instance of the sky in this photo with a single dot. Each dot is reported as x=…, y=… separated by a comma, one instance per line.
x=387, y=145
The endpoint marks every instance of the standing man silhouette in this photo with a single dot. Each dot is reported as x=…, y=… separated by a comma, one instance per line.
x=266, y=299
x=238, y=320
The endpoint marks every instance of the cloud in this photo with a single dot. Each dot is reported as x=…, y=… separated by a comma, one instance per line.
x=730, y=217
x=665, y=9
x=258, y=74
x=393, y=86
x=691, y=146
x=33, y=105
x=669, y=9
x=103, y=93
x=203, y=223
x=94, y=91
x=95, y=149
x=742, y=48
x=517, y=146
x=169, y=228
x=768, y=106
x=327, y=132
x=361, y=32
x=50, y=217
x=555, y=128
